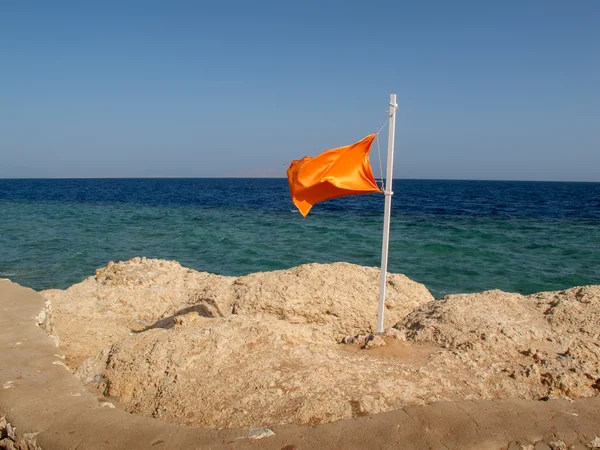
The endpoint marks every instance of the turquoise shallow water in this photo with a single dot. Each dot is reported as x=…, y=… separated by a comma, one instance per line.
x=452, y=236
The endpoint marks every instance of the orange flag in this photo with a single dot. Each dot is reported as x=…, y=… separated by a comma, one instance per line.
x=334, y=173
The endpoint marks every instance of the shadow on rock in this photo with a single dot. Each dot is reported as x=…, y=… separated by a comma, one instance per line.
x=207, y=308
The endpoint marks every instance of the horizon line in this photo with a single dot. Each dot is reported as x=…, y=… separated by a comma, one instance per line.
x=285, y=178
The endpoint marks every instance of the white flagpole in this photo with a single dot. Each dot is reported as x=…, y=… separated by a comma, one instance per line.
x=388, y=211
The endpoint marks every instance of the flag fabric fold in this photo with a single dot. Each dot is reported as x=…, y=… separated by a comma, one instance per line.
x=334, y=173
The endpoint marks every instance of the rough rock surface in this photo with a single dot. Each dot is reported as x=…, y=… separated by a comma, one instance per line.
x=11, y=440
x=542, y=346
x=251, y=372
x=337, y=299
x=205, y=350
x=91, y=315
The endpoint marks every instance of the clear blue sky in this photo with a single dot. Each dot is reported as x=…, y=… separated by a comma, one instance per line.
x=487, y=90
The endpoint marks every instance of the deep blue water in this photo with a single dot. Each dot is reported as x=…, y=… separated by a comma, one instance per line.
x=454, y=236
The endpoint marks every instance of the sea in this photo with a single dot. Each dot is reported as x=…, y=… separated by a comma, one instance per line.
x=453, y=236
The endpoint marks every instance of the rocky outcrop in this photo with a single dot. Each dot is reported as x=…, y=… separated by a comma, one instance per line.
x=121, y=298
x=10, y=440
x=335, y=299
x=204, y=350
x=542, y=346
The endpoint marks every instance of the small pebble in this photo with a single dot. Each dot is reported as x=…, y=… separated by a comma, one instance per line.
x=558, y=445
x=259, y=433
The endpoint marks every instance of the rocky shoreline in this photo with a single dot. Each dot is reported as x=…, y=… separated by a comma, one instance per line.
x=296, y=346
